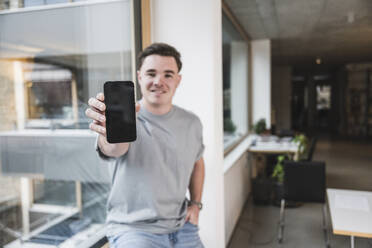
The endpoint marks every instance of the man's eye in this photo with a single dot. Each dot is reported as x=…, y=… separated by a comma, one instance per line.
x=168, y=75
x=151, y=74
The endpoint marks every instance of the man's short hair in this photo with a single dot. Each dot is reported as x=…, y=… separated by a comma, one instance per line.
x=161, y=49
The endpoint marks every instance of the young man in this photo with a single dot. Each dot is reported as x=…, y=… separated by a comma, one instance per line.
x=147, y=206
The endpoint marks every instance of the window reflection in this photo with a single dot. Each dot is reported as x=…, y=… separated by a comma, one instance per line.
x=54, y=98
x=49, y=92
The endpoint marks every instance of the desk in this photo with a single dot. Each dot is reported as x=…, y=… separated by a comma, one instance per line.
x=351, y=213
x=272, y=146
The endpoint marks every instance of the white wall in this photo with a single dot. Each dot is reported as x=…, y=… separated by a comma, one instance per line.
x=237, y=189
x=194, y=28
x=281, y=96
x=261, y=80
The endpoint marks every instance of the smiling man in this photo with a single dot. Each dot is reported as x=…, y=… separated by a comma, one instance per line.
x=147, y=206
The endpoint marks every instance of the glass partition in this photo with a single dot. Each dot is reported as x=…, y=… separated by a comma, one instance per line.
x=52, y=60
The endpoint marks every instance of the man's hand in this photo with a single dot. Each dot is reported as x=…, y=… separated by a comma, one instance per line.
x=192, y=214
x=96, y=112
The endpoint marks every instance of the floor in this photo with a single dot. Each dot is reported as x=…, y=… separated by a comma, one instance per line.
x=349, y=166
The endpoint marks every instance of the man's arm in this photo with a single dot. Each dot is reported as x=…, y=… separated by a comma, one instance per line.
x=196, y=190
x=112, y=150
x=96, y=112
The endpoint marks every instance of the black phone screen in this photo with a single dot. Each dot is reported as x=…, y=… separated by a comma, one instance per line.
x=120, y=111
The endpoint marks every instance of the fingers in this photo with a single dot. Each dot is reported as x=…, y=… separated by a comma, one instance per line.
x=97, y=114
x=100, y=96
x=94, y=115
x=96, y=103
x=194, y=220
x=192, y=216
x=187, y=217
x=97, y=128
x=138, y=107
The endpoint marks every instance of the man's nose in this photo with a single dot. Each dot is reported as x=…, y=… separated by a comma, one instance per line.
x=158, y=81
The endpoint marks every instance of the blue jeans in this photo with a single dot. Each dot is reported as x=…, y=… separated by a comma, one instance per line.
x=186, y=237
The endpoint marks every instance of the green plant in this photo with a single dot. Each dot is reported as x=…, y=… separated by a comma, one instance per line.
x=302, y=141
x=260, y=126
x=278, y=172
x=228, y=125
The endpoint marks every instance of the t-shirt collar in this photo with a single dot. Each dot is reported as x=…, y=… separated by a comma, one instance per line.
x=148, y=114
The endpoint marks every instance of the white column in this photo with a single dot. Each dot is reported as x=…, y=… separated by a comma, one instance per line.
x=194, y=28
x=19, y=94
x=26, y=202
x=261, y=81
x=14, y=4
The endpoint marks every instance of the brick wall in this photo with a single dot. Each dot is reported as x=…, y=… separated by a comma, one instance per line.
x=8, y=116
x=10, y=186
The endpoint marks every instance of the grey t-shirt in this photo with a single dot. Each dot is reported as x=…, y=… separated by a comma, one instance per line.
x=149, y=182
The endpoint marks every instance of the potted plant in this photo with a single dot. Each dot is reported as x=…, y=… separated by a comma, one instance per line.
x=278, y=172
x=229, y=126
x=260, y=126
x=301, y=140
x=277, y=186
x=278, y=178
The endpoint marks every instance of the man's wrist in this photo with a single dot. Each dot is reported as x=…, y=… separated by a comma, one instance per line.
x=196, y=203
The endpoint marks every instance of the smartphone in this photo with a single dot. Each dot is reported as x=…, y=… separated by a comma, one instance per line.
x=120, y=111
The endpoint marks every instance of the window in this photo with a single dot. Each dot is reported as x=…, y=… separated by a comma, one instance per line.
x=235, y=84
x=14, y=4
x=323, y=97
x=31, y=3
x=52, y=60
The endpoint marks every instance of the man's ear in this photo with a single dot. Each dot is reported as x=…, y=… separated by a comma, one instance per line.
x=138, y=75
x=179, y=79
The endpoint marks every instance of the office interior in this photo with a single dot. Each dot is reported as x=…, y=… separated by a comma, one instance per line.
x=304, y=67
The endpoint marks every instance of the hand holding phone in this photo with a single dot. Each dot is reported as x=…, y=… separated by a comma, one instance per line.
x=98, y=108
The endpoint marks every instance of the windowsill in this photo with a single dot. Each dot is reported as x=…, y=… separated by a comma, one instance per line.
x=233, y=156
x=230, y=141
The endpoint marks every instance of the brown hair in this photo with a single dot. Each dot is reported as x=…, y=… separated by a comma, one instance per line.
x=161, y=49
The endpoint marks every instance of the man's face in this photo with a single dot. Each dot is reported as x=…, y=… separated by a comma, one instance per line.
x=158, y=78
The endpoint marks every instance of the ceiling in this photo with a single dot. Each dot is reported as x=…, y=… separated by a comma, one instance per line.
x=337, y=31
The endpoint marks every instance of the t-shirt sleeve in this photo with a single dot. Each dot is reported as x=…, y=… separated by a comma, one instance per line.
x=200, y=143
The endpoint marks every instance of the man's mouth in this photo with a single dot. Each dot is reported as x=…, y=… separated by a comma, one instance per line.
x=158, y=91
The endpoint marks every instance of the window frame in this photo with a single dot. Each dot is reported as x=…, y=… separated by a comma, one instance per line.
x=240, y=29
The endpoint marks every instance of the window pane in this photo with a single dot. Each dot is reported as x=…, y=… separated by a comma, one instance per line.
x=52, y=60
x=54, y=192
x=31, y=3
x=235, y=83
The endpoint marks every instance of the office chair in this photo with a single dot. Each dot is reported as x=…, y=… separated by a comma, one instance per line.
x=310, y=153
x=304, y=182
